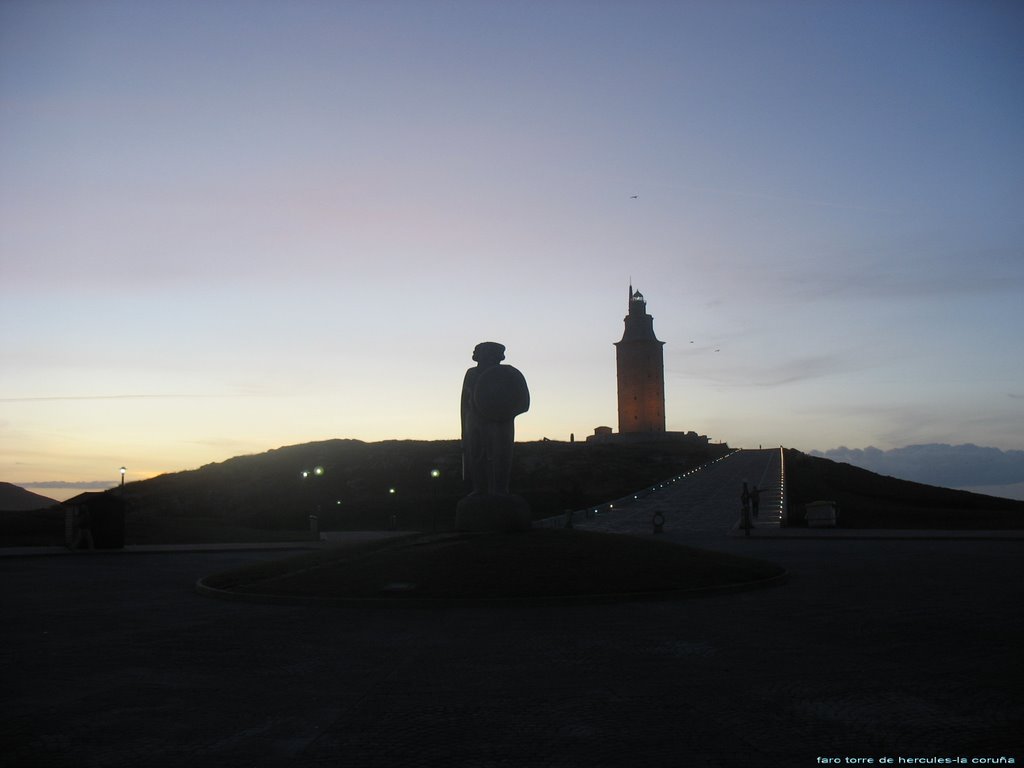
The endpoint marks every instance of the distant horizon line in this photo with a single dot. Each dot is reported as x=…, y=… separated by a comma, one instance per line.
x=86, y=484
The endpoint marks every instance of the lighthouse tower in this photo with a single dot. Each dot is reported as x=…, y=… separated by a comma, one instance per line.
x=640, y=369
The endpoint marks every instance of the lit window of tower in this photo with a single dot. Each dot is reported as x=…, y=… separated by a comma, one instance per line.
x=640, y=369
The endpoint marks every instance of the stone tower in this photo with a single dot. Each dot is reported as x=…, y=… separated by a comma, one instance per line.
x=640, y=369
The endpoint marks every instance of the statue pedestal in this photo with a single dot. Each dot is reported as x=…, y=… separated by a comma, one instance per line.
x=483, y=512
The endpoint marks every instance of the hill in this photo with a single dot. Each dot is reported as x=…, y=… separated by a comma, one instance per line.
x=388, y=484
x=869, y=500
x=13, y=498
x=28, y=518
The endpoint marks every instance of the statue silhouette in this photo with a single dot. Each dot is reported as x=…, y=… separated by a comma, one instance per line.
x=492, y=396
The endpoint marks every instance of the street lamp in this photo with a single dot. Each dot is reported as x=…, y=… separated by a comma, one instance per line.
x=123, y=471
x=314, y=520
x=436, y=475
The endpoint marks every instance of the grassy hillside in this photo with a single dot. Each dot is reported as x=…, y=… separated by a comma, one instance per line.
x=28, y=518
x=16, y=499
x=868, y=500
x=265, y=497
x=354, y=490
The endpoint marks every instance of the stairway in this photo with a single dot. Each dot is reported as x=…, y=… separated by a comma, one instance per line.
x=704, y=500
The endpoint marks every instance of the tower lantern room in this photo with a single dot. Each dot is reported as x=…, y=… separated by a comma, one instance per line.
x=640, y=371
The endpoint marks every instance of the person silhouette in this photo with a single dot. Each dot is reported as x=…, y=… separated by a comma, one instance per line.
x=745, y=509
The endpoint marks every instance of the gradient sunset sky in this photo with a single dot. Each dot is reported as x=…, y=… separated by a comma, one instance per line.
x=231, y=226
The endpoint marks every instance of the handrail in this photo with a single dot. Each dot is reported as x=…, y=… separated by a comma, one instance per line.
x=783, y=501
x=593, y=510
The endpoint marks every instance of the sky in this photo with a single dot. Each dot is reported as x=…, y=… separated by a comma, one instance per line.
x=227, y=227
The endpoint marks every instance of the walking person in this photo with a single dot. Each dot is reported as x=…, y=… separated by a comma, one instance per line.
x=83, y=534
x=745, y=509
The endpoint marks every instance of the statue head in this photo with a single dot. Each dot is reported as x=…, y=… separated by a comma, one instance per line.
x=489, y=353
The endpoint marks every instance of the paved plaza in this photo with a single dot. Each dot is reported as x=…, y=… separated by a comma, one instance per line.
x=873, y=648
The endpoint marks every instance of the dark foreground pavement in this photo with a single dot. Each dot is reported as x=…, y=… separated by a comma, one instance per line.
x=873, y=649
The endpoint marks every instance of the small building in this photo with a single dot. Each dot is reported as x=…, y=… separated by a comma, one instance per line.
x=605, y=435
x=94, y=520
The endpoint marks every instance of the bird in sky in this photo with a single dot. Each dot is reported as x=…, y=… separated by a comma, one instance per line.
x=633, y=197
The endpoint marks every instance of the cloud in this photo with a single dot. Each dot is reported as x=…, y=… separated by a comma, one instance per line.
x=84, y=485
x=102, y=397
x=950, y=466
x=723, y=369
x=798, y=199
x=920, y=278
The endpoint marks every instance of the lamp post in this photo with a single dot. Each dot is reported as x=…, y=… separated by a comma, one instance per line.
x=123, y=471
x=436, y=475
x=314, y=519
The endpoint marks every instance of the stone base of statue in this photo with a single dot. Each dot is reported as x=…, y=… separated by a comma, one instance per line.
x=481, y=512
